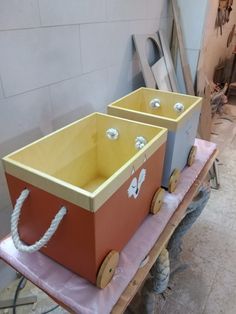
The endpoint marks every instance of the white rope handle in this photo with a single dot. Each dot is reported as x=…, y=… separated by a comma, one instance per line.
x=15, y=217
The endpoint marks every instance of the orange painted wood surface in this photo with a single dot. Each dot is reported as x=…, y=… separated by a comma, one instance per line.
x=84, y=238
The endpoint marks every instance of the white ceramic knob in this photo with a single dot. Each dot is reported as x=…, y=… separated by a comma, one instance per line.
x=179, y=107
x=112, y=134
x=140, y=142
x=155, y=103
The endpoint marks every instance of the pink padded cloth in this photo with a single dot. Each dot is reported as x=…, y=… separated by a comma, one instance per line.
x=77, y=293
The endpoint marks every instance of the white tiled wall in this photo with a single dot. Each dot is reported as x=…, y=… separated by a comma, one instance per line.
x=64, y=12
x=61, y=60
x=104, y=44
x=192, y=16
x=32, y=58
x=75, y=94
x=23, y=113
x=157, y=9
x=119, y=80
x=127, y=9
x=1, y=90
x=19, y=14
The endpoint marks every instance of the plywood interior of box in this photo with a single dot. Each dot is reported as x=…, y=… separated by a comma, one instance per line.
x=140, y=101
x=81, y=154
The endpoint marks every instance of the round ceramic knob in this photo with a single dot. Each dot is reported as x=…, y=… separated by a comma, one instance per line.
x=112, y=134
x=140, y=142
x=179, y=107
x=155, y=103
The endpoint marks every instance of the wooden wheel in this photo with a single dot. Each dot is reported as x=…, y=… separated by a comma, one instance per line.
x=192, y=155
x=174, y=178
x=107, y=269
x=157, y=201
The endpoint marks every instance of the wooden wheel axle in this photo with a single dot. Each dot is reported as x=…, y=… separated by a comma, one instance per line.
x=107, y=269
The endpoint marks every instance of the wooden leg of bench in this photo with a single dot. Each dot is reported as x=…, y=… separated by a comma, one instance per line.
x=20, y=301
x=194, y=210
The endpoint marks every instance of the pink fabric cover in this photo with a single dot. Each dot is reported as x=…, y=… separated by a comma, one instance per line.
x=77, y=293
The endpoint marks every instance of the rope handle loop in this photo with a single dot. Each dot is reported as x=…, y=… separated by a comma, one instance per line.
x=15, y=217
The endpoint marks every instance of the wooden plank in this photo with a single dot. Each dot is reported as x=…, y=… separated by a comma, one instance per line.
x=162, y=241
x=169, y=63
x=182, y=51
x=204, y=128
x=161, y=75
x=140, y=45
x=174, y=45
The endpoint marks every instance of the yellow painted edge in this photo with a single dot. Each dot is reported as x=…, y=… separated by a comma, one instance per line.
x=197, y=98
x=71, y=193
x=166, y=92
x=76, y=195
x=196, y=105
x=170, y=124
x=51, y=134
x=143, y=117
x=48, y=183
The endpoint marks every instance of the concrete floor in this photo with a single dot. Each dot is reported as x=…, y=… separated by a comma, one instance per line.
x=208, y=285
x=44, y=303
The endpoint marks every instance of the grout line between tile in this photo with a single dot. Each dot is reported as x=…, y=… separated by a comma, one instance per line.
x=1, y=86
x=43, y=86
x=64, y=80
x=72, y=24
x=39, y=12
x=80, y=50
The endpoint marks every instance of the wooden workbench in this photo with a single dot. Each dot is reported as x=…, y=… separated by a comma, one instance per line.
x=162, y=241
x=31, y=267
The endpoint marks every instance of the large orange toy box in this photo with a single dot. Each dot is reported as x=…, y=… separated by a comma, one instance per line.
x=93, y=183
